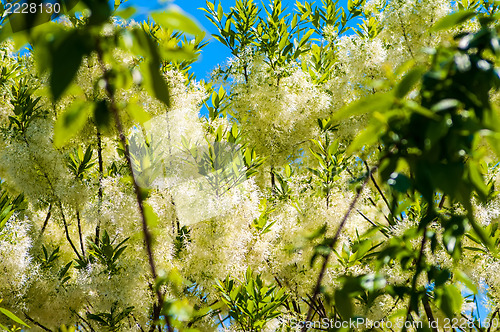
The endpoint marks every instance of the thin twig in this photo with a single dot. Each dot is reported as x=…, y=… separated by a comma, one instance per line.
x=319, y=309
x=84, y=320
x=375, y=205
x=80, y=232
x=332, y=244
x=66, y=230
x=441, y=203
x=366, y=218
x=294, y=303
x=382, y=230
x=273, y=181
x=221, y=321
x=473, y=322
x=492, y=317
x=136, y=322
x=415, y=277
x=379, y=190
x=47, y=218
x=36, y=323
x=46, y=176
x=430, y=315
x=405, y=37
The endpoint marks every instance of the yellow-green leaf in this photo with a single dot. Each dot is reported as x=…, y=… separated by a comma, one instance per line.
x=174, y=18
x=13, y=317
x=150, y=214
x=408, y=82
x=369, y=136
x=376, y=102
x=451, y=20
x=71, y=121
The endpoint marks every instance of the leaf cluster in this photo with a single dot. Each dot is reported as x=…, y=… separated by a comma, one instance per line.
x=251, y=304
x=224, y=162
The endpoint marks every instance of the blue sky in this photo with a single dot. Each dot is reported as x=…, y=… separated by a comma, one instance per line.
x=214, y=53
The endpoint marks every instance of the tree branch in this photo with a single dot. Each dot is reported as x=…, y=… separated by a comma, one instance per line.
x=332, y=244
x=36, y=323
x=100, y=191
x=66, y=230
x=137, y=190
x=415, y=277
x=430, y=315
x=80, y=232
x=49, y=213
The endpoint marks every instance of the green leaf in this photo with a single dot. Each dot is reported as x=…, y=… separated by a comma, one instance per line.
x=150, y=67
x=222, y=40
x=102, y=116
x=174, y=18
x=13, y=317
x=64, y=269
x=477, y=180
x=150, y=215
x=451, y=300
x=66, y=59
x=96, y=318
x=444, y=105
x=343, y=304
x=408, y=82
x=400, y=182
x=158, y=84
x=451, y=20
x=71, y=121
x=220, y=12
x=481, y=234
x=367, y=137
x=377, y=102
x=138, y=113
x=463, y=278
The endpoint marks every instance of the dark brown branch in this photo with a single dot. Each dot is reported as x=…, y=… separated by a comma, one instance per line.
x=136, y=322
x=332, y=245
x=415, y=277
x=497, y=312
x=145, y=230
x=47, y=218
x=36, y=323
x=84, y=320
x=441, y=203
x=80, y=232
x=430, y=315
x=273, y=181
x=473, y=322
x=100, y=191
x=380, y=190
